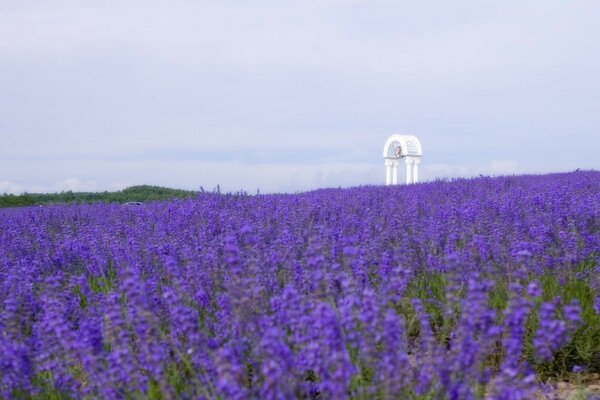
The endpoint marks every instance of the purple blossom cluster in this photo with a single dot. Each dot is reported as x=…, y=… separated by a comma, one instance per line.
x=321, y=295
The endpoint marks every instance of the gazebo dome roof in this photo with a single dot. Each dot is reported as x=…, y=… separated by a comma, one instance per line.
x=410, y=146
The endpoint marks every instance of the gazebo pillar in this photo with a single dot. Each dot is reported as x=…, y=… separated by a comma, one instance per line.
x=388, y=172
x=416, y=170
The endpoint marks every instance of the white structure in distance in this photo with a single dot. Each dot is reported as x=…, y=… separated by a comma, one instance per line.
x=399, y=147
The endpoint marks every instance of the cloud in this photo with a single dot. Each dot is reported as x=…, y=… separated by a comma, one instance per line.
x=75, y=185
x=34, y=186
x=11, y=187
x=494, y=167
x=267, y=177
x=219, y=92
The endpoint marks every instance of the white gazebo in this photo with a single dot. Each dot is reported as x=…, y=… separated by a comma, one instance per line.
x=399, y=147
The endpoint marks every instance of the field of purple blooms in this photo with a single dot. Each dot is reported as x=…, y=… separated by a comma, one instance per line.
x=463, y=289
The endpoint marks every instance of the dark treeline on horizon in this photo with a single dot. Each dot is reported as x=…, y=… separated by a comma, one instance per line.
x=139, y=193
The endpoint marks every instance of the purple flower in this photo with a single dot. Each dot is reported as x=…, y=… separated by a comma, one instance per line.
x=551, y=334
x=277, y=366
x=572, y=313
x=534, y=289
x=394, y=371
x=578, y=369
x=300, y=295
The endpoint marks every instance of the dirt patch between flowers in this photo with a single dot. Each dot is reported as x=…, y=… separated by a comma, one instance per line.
x=587, y=387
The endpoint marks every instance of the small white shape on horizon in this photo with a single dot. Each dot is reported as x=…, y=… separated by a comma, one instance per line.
x=396, y=148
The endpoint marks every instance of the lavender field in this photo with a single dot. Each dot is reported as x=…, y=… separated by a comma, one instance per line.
x=468, y=289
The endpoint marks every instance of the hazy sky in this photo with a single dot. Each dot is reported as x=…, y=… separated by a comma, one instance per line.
x=292, y=95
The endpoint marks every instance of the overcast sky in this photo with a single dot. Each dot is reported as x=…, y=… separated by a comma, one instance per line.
x=287, y=96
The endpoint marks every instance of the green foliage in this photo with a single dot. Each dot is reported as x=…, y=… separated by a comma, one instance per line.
x=82, y=298
x=106, y=282
x=142, y=193
x=583, y=348
x=45, y=381
x=154, y=392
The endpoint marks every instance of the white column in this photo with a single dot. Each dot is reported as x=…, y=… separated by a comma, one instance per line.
x=408, y=172
x=394, y=173
x=416, y=172
x=388, y=172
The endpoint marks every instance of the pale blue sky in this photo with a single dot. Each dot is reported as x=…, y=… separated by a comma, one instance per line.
x=292, y=95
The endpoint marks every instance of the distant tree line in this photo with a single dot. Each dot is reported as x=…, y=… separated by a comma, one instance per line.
x=141, y=193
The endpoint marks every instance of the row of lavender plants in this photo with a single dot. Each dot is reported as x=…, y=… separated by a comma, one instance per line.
x=482, y=288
